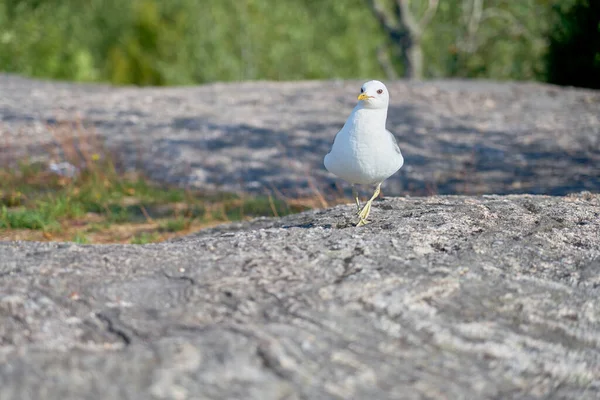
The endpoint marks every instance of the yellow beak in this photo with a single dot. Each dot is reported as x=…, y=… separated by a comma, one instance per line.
x=363, y=96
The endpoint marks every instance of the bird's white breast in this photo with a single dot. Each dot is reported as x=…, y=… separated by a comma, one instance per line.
x=363, y=151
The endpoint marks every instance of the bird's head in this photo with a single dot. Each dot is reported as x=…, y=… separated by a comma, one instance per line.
x=374, y=94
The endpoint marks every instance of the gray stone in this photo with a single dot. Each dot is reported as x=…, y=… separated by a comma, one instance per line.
x=447, y=297
x=457, y=137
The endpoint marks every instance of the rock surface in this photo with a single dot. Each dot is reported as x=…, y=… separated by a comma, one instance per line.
x=491, y=297
x=458, y=137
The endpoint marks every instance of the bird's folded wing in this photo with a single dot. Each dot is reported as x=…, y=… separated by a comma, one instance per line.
x=333, y=141
x=394, y=141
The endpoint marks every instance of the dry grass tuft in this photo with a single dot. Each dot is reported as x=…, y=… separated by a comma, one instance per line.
x=83, y=195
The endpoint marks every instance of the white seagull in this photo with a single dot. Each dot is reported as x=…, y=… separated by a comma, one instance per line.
x=364, y=152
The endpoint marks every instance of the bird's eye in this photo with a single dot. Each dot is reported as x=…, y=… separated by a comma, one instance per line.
x=362, y=90
x=380, y=91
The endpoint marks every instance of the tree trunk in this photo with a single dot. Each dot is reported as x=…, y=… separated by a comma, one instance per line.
x=413, y=60
x=405, y=32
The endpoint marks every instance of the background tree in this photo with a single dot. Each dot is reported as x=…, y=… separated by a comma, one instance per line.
x=183, y=42
x=498, y=39
x=405, y=33
x=464, y=38
x=574, y=51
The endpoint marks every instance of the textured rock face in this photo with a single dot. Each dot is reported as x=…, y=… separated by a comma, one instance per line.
x=458, y=137
x=442, y=297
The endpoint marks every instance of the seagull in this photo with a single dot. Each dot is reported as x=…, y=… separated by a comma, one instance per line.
x=364, y=152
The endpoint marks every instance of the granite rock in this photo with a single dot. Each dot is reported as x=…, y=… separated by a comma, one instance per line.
x=457, y=136
x=444, y=297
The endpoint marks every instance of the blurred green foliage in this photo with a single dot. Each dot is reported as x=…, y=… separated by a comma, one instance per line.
x=178, y=42
x=574, y=50
x=154, y=42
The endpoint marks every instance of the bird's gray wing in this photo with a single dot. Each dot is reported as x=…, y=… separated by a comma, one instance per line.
x=394, y=141
x=335, y=137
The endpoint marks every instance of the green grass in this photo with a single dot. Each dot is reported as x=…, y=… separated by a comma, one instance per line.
x=80, y=238
x=175, y=225
x=27, y=219
x=145, y=237
x=101, y=205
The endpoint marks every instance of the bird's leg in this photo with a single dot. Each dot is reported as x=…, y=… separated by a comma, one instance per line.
x=364, y=214
x=355, y=195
